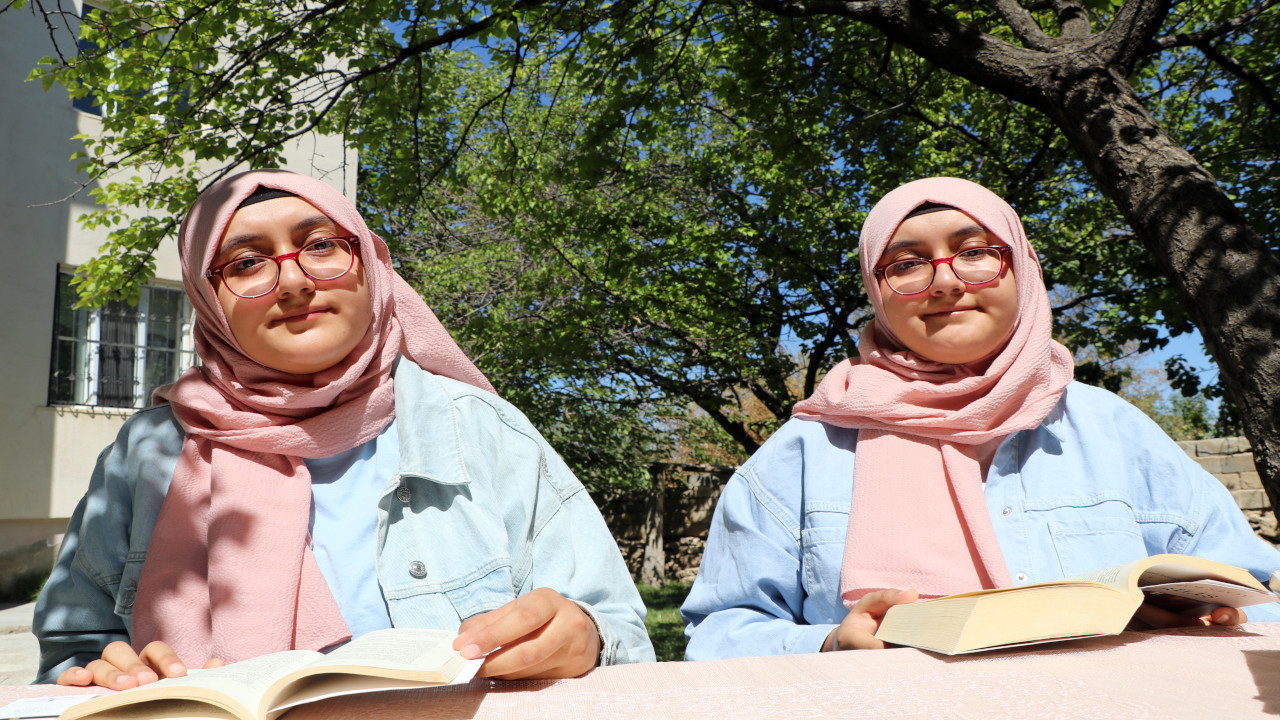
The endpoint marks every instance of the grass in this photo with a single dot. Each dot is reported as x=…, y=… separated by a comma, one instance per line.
x=666, y=630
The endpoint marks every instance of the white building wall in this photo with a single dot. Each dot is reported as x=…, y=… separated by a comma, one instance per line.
x=47, y=453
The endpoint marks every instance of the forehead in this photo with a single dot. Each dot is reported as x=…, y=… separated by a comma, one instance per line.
x=269, y=219
x=943, y=225
x=276, y=213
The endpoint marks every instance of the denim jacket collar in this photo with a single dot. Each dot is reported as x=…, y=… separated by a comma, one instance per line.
x=435, y=451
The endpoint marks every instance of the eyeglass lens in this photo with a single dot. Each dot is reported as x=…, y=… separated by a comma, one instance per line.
x=973, y=266
x=256, y=275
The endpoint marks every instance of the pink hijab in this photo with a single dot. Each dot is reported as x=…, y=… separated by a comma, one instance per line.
x=229, y=572
x=919, y=519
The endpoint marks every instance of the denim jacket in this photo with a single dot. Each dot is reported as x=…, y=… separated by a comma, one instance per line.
x=481, y=511
x=1096, y=484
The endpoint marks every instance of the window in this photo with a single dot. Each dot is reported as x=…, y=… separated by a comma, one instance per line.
x=116, y=355
x=88, y=103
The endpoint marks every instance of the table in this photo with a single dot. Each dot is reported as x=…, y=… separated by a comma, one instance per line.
x=1188, y=673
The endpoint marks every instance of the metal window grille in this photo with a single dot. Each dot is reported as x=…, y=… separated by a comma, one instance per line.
x=116, y=355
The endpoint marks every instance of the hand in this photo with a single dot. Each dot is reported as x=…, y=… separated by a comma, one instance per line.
x=120, y=668
x=858, y=629
x=1160, y=618
x=541, y=635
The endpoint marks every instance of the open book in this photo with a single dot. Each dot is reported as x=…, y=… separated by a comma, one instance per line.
x=264, y=687
x=1097, y=603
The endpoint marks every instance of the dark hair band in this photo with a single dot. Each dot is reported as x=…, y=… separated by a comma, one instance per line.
x=264, y=193
x=927, y=207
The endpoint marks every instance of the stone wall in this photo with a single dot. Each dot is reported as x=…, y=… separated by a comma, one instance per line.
x=689, y=495
x=1230, y=460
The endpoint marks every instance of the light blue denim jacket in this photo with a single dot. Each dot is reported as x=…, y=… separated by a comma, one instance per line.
x=481, y=511
x=1096, y=484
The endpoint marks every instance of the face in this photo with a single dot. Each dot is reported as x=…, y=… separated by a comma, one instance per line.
x=949, y=322
x=304, y=325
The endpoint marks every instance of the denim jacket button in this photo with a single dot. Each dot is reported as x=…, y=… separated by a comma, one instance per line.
x=126, y=598
x=1021, y=577
x=404, y=494
x=418, y=569
x=1006, y=511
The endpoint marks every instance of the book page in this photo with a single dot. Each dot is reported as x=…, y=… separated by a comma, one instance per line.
x=41, y=707
x=412, y=649
x=336, y=685
x=236, y=688
x=1116, y=576
x=166, y=710
x=1174, y=571
x=244, y=681
x=1213, y=593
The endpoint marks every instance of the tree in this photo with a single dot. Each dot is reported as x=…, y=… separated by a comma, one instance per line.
x=1072, y=61
x=710, y=264
x=770, y=127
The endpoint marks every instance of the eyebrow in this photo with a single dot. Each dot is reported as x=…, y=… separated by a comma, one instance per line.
x=908, y=242
x=304, y=224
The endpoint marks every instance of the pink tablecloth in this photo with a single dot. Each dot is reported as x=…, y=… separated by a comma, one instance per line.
x=1200, y=673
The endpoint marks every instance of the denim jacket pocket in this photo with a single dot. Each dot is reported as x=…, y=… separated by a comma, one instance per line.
x=489, y=590
x=822, y=550
x=1100, y=542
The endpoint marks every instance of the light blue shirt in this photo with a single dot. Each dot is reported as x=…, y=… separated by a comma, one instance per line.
x=1096, y=484
x=479, y=511
x=345, y=490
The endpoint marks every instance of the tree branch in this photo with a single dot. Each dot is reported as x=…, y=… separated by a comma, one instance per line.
x=1012, y=70
x=1073, y=18
x=1195, y=38
x=1080, y=300
x=1229, y=64
x=1135, y=23
x=1022, y=24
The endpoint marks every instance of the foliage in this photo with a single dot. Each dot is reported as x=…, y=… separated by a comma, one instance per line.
x=640, y=216
x=666, y=628
x=707, y=274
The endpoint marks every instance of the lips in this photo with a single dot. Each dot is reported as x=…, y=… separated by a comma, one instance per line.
x=301, y=315
x=948, y=312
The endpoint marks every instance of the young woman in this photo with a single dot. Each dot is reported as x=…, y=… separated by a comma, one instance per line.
x=955, y=453
x=334, y=465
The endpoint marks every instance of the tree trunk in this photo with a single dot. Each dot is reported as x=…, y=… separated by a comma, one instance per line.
x=1226, y=276
x=653, y=563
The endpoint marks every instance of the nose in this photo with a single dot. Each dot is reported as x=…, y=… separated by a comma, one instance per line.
x=945, y=280
x=292, y=279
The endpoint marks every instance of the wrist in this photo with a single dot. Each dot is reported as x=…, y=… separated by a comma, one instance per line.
x=595, y=626
x=832, y=643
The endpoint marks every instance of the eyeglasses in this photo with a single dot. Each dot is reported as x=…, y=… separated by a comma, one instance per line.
x=973, y=266
x=251, y=276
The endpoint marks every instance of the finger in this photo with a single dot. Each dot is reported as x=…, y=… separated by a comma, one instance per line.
x=1228, y=616
x=566, y=646
x=123, y=658
x=520, y=659
x=856, y=638
x=857, y=631
x=214, y=663
x=109, y=676
x=1160, y=618
x=163, y=659
x=483, y=619
x=546, y=670
x=76, y=676
x=505, y=625
x=877, y=603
